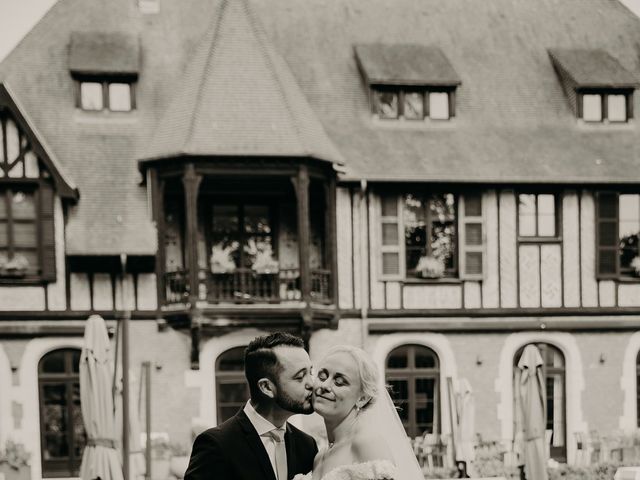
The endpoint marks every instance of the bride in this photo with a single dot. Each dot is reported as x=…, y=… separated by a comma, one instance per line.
x=366, y=438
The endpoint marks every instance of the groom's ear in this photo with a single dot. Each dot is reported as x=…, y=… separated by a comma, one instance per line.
x=267, y=387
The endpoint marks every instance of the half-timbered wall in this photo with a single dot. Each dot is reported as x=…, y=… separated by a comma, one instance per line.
x=550, y=273
x=47, y=296
x=99, y=291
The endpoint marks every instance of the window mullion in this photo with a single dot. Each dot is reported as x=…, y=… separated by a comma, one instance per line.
x=105, y=96
x=10, y=240
x=536, y=214
x=428, y=226
x=241, y=233
x=618, y=249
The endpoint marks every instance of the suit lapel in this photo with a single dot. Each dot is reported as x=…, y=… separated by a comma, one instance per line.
x=290, y=444
x=256, y=445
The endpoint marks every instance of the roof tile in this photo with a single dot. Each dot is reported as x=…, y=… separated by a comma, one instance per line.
x=239, y=98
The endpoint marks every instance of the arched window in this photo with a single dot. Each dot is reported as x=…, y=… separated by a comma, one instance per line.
x=413, y=372
x=553, y=370
x=62, y=432
x=232, y=391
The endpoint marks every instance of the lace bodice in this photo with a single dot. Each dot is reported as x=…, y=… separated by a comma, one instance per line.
x=374, y=470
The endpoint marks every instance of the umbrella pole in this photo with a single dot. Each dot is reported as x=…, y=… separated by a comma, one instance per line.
x=147, y=398
x=453, y=415
x=125, y=374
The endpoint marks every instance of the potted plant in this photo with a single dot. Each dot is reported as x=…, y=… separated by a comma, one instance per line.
x=221, y=259
x=15, y=461
x=179, y=459
x=264, y=262
x=635, y=264
x=430, y=267
x=160, y=457
x=14, y=267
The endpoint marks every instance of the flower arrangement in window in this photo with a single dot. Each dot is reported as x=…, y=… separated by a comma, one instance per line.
x=14, y=267
x=635, y=264
x=430, y=267
x=264, y=261
x=221, y=259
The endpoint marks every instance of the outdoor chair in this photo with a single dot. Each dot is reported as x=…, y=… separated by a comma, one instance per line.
x=434, y=451
x=582, y=457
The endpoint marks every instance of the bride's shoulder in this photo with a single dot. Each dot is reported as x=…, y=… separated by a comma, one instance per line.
x=368, y=447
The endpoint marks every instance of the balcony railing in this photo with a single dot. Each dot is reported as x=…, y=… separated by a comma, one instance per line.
x=244, y=285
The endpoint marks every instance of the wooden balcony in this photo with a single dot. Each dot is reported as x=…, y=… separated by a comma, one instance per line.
x=246, y=286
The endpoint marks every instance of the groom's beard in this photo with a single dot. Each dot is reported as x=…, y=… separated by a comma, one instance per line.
x=287, y=403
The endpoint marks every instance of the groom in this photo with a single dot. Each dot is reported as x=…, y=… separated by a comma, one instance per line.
x=258, y=443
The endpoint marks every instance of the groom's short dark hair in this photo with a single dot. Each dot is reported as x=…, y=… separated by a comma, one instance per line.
x=260, y=361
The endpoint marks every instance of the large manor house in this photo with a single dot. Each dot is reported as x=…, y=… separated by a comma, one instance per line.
x=439, y=182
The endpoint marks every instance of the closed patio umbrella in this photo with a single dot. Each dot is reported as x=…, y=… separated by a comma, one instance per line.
x=531, y=397
x=100, y=458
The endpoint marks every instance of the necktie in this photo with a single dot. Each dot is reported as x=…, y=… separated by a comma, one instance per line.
x=277, y=435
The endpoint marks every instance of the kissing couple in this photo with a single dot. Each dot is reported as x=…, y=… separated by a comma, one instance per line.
x=366, y=439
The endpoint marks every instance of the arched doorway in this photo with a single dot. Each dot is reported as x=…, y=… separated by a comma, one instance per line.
x=62, y=435
x=413, y=372
x=553, y=370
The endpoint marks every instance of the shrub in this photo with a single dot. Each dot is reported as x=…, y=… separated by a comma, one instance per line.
x=15, y=455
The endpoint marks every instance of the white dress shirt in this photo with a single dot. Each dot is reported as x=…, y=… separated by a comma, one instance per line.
x=263, y=427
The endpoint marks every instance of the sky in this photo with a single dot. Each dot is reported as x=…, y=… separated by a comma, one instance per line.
x=17, y=17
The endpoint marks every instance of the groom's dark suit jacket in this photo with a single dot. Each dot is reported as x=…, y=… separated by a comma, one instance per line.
x=234, y=451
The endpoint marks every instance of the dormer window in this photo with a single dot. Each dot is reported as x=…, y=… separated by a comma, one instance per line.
x=599, y=88
x=409, y=82
x=116, y=96
x=105, y=66
x=603, y=106
x=412, y=104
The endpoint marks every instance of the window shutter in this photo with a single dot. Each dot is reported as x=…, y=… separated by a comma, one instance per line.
x=472, y=237
x=391, y=238
x=607, y=235
x=47, y=233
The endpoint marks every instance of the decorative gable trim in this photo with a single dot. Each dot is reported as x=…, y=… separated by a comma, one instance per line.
x=64, y=187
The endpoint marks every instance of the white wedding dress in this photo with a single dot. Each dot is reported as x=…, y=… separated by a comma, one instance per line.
x=381, y=420
x=374, y=470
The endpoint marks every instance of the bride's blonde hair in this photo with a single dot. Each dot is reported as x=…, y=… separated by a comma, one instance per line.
x=367, y=370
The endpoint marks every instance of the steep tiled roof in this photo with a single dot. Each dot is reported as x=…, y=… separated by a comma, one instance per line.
x=239, y=98
x=97, y=149
x=284, y=73
x=513, y=120
x=405, y=65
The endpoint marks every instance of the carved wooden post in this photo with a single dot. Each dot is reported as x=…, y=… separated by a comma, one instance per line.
x=301, y=183
x=191, y=182
x=156, y=185
x=304, y=235
x=332, y=241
